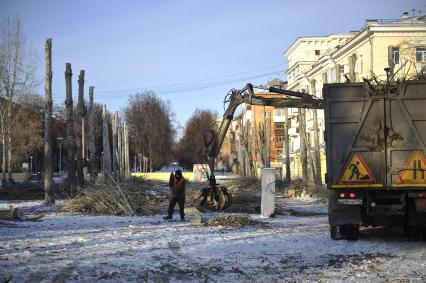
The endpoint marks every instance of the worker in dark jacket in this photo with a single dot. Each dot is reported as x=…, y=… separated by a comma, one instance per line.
x=177, y=185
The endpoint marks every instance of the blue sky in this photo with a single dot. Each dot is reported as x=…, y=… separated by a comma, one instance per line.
x=190, y=52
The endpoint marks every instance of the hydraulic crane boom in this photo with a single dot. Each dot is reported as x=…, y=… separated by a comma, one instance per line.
x=217, y=198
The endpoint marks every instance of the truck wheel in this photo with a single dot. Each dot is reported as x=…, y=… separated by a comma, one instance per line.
x=335, y=232
x=350, y=232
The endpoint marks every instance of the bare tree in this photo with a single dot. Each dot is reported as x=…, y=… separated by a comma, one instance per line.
x=191, y=147
x=151, y=131
x=17, y=75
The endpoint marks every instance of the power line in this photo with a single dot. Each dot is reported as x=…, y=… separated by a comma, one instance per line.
x=190, y=86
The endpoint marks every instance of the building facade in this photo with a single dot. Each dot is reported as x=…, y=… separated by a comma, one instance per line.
x=313, y=61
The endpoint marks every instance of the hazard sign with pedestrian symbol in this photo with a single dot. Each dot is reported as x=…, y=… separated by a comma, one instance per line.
x=356, y=171
x=415, y=171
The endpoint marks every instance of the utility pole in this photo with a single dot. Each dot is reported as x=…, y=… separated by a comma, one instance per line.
x=80, y=113
x=70, y=133
x=49, y=196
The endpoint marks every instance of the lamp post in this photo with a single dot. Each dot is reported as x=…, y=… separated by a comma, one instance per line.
x=145, y=163
x=31, y=164
x=60, y=140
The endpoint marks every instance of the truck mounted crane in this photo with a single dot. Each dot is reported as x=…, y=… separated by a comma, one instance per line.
x=216, y=197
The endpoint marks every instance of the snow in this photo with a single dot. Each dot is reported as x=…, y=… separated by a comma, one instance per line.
x=67, y=247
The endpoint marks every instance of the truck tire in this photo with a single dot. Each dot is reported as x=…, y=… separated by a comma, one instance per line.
x=350, y=232
x=335, y=233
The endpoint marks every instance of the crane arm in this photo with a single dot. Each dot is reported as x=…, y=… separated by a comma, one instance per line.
x=246, y=95
x=215, y=197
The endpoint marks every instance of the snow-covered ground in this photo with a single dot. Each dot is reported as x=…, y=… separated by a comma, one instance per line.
x=294, y=247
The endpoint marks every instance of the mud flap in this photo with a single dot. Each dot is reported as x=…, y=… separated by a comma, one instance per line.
x=340, y=214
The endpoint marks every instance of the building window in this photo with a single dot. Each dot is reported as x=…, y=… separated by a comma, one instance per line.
x=331, y=75
x=279, y=155
x=267, y=115
x=421, y=54
x=279, y=112
x=279, y=125
x=279, y=138
x=395, y=55
x=317, y=52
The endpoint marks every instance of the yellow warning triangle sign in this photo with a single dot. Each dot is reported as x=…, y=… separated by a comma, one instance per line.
x=356, y=171
x=415, y=172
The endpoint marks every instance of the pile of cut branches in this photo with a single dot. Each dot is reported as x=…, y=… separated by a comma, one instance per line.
x=232, y=221
x=299, y=188
x=108, y=197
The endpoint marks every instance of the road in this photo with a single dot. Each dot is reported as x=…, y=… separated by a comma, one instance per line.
x=294, y=246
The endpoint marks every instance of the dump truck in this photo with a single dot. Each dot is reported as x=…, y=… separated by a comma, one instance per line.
x=376, y=156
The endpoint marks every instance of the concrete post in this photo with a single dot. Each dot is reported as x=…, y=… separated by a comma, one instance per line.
x=267, y=206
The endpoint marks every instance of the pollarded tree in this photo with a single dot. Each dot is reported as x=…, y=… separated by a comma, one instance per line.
x=151, y=130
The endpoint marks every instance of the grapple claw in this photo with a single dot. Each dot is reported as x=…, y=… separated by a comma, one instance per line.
x=213, y=198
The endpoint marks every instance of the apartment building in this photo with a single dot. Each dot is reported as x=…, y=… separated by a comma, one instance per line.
x=316, y=60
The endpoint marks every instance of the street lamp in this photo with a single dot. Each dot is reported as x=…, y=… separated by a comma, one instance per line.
x=145, y=159
x=31, y=164
x=60, y=140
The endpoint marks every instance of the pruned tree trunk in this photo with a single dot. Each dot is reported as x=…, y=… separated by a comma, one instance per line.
x=246, y=149
x=9, y=152
x=303, y=148
x=317, y=149
x=241, y=169
x=72, y=181
x=115, y=168
x=317, y=163
x=120, y=150
x=3, y=163
x=91, y=135
x=49, y=192
x=249, y=150
x=311, y=167
x=105, y=143
x=268, y=142
x=126, y=153
x=286, y=146
x=79, y=141
x=256, y=142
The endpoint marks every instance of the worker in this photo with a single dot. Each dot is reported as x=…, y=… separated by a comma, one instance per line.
x=177, y=185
